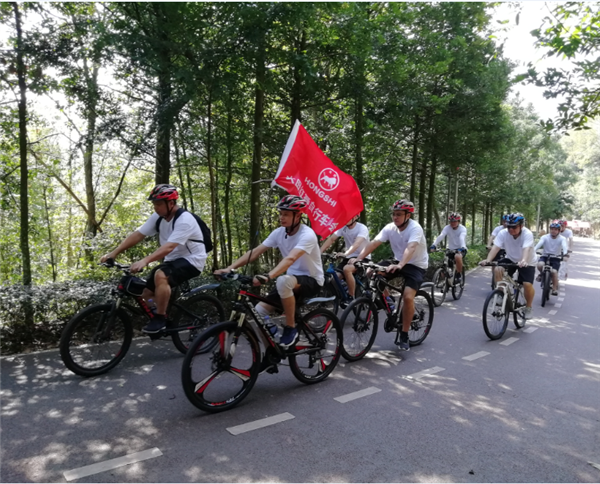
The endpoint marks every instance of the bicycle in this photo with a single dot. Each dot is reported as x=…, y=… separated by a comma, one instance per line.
x=336, y=287
x=98, y=337
x=508, y=297
x=360, y=319
x=546, y=274
x=500, y=255
x=444, y=278
x=220, y=379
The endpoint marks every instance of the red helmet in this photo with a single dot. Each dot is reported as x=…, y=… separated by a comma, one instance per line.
x=293, y=203
x=403, y=205
x=454, y=217
x=163, y=191
x=563, y=223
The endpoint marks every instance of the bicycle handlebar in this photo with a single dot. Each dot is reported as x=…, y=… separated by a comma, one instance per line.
x=113, y=263
x=488, y=264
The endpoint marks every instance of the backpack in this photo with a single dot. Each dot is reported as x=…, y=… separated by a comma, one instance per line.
x=206, y=234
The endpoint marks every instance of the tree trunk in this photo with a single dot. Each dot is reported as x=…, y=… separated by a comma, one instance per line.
x=180, y=174
x=92, y=88
x=473, y=226
x=422, y=185
x=213, y=185
x=49, y=227
x=163, y=131
x=413, y=172
x=228, y=186
x=359, y=140
x=296, y=104
x=430, y=197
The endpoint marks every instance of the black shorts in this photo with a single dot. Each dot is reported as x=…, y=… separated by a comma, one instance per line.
x=526, y=274
x=309, y=287
x=177, y=271
x=554, y=261
x=342, y=264
x=500, y=255
x=413, y=275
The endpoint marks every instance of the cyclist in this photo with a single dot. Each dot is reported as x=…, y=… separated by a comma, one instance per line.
x=409, y=246
x=553, y=244
x=181, y=248
x=567, y=234
x=496, y=231
x=300, y=272
x=457, y=240
x=356, y=237
x=518, y=243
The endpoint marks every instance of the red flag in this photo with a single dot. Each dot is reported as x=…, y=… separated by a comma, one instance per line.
x=332, y=195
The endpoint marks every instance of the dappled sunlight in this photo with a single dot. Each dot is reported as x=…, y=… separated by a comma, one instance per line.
x=590, y=283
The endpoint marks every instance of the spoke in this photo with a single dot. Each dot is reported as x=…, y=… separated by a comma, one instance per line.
x=201, y=386
x=243, y=375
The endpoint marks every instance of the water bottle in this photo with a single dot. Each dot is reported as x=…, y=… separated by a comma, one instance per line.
x=391, y=303
x=270, y=325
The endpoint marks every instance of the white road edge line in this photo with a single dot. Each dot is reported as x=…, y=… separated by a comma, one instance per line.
x=509, y=341
x=475, y=356
x=111, y=464
x=259, y=424
x=359, y=394
x=428, y=372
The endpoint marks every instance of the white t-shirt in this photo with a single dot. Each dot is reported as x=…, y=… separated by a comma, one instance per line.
x=567, y=234
x=514, y=247
x=350, y=236
x=308, y=264
x=400, y=239
x=186, y=229
x=457, y=238
x=497, y=230
x=552, y=246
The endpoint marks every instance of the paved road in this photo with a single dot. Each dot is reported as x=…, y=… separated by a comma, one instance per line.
x=528, y=411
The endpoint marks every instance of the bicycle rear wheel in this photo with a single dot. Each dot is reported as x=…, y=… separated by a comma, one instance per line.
x=422, y=319
x=546, y=281
x=329, y=290
x=359, y=324
x=221, y=378
x=519, y=308
x=196, y=314
x=440, y=286
x=495, y=319
x=95, y=340
x=457, y=289
x=317, y=351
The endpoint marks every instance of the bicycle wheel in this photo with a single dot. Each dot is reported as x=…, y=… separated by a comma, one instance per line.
x=422, y=319
x=545, y=287
x=494, y=319
x=95, y=340
x=519, y=307
x=329, y=290
x=359, y=325
x=196, y=313
x=457, y=289
x=493, y=280
x=440, y=286
x=221, y=378
x=318, y=349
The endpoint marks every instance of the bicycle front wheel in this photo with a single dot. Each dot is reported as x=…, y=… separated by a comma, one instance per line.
x=317, y=351
x=221, y=378
x=422, y=319
x=457, y=289
x=546, y=281
x=495, y=319
x=440, y=286
x=359, y=324
x=95, y=340
x=519, y=309
x=194, y=315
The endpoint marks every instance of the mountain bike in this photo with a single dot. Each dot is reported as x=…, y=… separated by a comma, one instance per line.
x=546, y=283
x=335, y=286
x=444, y=279
x=221, y=378
x=98, y=337
x=507, y=298
x=360, y=319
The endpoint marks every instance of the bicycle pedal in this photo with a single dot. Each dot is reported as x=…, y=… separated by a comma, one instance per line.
x=273, y=369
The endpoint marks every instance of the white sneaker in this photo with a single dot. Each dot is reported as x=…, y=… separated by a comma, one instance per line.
x=528, y=313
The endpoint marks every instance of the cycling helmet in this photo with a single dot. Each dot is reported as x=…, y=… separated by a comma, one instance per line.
x=555, y=224
x=505, y=217
x=564, y=223
x=454, y=217
x=515, y=219
x=163, y=191
x=403, y=205
x=293, y=203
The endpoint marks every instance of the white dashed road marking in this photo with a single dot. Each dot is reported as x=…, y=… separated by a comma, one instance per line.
x=553, y=312
x=259, y=424
x=531, y=329
x=560, y=299
x=509, y=341
x=428, y=372
x=558, y=305
x=475, y=356
x=111, y=464
x=359, y=394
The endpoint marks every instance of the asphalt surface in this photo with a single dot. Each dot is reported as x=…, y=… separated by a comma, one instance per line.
x=527, y=411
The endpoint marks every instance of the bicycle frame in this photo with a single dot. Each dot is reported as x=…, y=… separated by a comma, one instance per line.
x=342, y=290
x=511, y=288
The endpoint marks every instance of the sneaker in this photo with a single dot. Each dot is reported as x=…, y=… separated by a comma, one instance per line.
x=555, y=293
x=528, y=313
x=539, y=278
x=404, y=345
x=156, y=324
x=289, y=337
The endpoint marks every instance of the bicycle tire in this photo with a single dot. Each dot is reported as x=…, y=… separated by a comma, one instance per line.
x=422, y=321
x=494, y=320
x=493, y=279
x=457, y=289
x=321, y=357
x=359, y=325
x=518, y=314
x=80, y=340
x=440, y=287
x=546, y=287
x=207, y=311
x=211, y=382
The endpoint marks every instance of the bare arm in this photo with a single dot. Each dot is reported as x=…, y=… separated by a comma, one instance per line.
x=248, y=257
x=371, y=246
x=283, y=266
x=328, y=243
x=357, y=243
x=131, y=240
x=160, y=253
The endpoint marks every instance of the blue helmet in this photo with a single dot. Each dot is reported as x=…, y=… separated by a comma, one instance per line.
x=514, y=219
x=505, y=217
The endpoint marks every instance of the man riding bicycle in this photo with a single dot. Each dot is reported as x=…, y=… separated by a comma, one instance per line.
x=356, y=238
x=408, y=243
x=181, y=247
x=553, y=244
x=300, y=272
x=518, y=242
x=457, y=240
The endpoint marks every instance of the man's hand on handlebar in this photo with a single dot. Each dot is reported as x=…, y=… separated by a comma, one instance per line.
x=260, y=279
x=137, y=266
x=484, y=263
